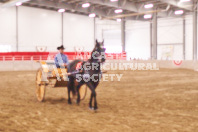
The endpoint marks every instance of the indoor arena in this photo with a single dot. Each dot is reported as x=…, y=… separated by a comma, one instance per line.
x=98, y=65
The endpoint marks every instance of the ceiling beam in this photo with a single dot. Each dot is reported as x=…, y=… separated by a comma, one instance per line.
x=76, y=6
x=125, y=4
x=12, y=3
x=72, y=7
x=177, y=4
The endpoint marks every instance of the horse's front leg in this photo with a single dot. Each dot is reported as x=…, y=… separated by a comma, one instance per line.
x=93, y=95
x=95, y=101
x=90, y=101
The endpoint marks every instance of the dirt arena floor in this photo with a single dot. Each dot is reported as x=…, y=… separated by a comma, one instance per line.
x=144, y=101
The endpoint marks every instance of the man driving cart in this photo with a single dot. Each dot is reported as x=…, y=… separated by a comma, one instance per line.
x=61, y=60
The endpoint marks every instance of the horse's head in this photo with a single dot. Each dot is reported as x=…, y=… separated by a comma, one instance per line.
x=99, y=52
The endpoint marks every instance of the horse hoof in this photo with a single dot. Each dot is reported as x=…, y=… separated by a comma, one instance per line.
x=95, y=108
x=91, y=108
x=77, y=102
x=69, y=102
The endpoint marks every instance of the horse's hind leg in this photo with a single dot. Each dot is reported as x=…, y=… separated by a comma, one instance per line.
x=78, y=93
x=70, y=86
x=69, y=98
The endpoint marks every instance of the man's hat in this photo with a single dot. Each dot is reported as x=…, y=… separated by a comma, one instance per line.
x=61, y=47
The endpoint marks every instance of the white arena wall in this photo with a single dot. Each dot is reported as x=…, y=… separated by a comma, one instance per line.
x=39, y=27
x=8, y=28
x=170, y=33
x=78, y=32
x=189, y=37
x=110, y=32
x=138, y=40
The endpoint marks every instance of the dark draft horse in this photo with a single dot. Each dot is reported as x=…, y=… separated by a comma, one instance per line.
x=89, y=74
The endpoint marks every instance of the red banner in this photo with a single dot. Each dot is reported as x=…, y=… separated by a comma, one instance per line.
x=11, y=56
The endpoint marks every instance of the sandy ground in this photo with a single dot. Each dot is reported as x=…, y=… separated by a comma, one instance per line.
x=151, y=101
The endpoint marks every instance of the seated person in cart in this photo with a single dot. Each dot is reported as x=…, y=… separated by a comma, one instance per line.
x=61, y=60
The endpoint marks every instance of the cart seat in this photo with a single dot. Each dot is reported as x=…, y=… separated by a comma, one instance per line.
x=51, y=70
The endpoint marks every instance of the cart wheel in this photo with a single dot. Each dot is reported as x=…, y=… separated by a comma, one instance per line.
x=83, y=92
x=40, y=89
x=40, y=93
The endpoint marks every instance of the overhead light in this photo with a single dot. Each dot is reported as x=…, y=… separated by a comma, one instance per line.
x=148, y=6
x=73, y=10
x=179, y=12
x=85, y=5
x=148, y=16
x=113, y=0
x=119, y=20
x=61, y=10
x=92, y=15
x=18, y=3
x=118, y=11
